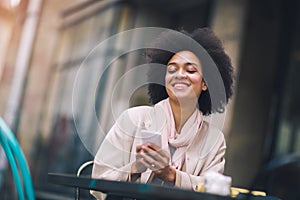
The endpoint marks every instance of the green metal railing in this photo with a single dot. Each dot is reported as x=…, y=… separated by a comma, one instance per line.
x=17, y=161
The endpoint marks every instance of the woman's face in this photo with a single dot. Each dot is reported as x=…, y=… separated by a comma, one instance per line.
x=183, y=77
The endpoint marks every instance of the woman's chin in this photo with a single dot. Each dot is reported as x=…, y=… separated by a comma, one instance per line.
x=184, y=98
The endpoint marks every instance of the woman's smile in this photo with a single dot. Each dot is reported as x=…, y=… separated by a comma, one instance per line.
x=181, y=85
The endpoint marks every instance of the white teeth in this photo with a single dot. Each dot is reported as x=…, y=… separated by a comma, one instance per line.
x=180, y=85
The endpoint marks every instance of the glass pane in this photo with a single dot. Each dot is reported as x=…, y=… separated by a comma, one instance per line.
x=72, y=118
x=289, y=133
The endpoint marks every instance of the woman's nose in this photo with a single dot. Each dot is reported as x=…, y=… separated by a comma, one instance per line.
x=181, y=73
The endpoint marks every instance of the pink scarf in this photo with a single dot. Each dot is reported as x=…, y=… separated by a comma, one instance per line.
x=180, y=140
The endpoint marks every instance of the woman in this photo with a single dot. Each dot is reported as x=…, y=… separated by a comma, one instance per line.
x=190, y=146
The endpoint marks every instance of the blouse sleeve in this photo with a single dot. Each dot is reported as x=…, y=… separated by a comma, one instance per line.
x=115, y=156
x=112, y=161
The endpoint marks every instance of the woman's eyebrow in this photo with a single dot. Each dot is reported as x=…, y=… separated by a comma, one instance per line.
x=172, y=63
x=191, y=63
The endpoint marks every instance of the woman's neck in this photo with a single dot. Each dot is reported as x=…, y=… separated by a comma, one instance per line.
x=181, y=112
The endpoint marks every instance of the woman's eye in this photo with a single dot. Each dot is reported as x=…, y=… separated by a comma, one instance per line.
x=171, y=69
x=191, y=71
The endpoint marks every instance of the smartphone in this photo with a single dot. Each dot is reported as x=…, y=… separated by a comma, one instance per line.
x=149, y=136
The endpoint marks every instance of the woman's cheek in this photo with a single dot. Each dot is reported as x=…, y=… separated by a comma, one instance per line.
x=195, y=78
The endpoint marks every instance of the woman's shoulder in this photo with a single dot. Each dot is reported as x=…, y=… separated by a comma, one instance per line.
x=139, y=110
x=135, y=114
x=211, y=138
x=213, y=134
x=212, y=130
x=146, y=115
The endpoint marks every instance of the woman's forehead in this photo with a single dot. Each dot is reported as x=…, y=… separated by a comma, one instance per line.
x=184, y=57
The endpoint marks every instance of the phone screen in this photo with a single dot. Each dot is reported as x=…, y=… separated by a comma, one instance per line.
x=151, y=137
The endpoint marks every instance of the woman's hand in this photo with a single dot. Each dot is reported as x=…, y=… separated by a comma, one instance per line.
x=138, y=166
x=157, y=159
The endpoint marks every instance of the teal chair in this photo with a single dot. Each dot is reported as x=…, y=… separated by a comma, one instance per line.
x=17, y=161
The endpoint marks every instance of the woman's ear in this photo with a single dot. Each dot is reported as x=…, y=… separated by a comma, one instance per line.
x=203, y=86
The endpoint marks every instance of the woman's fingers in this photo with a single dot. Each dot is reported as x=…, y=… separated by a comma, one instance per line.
x=152, y=146
x=156, y=159
x=157, y=154
x=151, y=156
x=153, y=159
x=152, y=149
x=139, y=148
x=157, y=149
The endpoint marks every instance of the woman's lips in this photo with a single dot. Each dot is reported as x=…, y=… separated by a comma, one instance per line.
x=180, y=85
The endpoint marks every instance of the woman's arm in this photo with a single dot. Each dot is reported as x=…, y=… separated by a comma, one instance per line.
x=112, y=160
x=116, y=154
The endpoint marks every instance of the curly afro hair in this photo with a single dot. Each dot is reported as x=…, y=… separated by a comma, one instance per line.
x=216, y=65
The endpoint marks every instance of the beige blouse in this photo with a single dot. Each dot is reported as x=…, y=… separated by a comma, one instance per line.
x=117, y=152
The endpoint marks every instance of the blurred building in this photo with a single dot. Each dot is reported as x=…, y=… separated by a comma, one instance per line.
x=57, y=89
